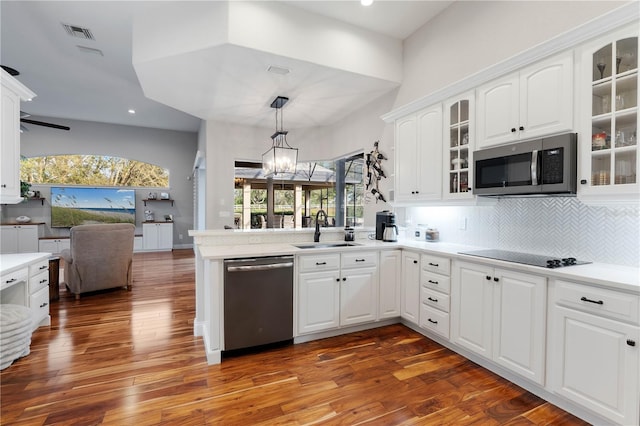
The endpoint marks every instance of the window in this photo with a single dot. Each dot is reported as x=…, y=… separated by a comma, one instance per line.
x=333, y=186
x=95, y=170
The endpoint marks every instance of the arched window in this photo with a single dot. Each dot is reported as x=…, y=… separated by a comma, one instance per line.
x=93, y=170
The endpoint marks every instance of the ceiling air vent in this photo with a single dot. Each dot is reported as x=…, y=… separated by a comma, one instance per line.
x=85, y=49
x=75, y=31
x=278, y=70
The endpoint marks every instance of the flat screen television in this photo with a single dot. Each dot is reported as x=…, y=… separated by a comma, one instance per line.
x=71, y=206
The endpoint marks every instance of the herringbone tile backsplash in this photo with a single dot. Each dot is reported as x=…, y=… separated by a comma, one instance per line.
x=557, y=226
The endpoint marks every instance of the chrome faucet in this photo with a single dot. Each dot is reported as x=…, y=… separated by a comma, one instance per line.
x=316, y=235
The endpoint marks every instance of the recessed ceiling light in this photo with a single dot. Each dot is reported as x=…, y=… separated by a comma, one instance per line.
x=366, y=2
x=132, y=111
x=278, y=70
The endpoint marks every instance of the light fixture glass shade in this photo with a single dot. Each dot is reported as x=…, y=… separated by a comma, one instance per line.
x=279, y=160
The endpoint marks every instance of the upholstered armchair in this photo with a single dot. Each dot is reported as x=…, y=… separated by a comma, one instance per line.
x=100, y=257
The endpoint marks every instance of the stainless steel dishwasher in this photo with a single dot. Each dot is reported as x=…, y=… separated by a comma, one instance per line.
x=258, y=301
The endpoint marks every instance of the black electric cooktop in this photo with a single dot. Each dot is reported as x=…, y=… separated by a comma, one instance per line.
x=526, y=258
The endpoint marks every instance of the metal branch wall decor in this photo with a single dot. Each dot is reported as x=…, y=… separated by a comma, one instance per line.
x=374, y=173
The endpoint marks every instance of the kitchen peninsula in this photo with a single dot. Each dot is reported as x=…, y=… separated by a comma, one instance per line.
x=533, y=316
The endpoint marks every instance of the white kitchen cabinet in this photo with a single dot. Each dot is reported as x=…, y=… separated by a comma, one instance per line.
x=19, y=238
x=608, y=151
x=337, y=290
x=410, y=286
x=29, y=286
x=594, y=349
x=536, y=101
x=54, y=245
x=10, y=96
x=358, y=298
x=390, y=277
x=319, y=295
x=418, y=153
x=459, y=137
x=157, y=236
x=434, y=294
x=501, y=315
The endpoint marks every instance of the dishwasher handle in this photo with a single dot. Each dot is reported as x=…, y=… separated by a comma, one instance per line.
x=260, y=267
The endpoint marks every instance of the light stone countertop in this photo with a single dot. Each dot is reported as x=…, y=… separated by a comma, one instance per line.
x=12, y=262
x=618, y=277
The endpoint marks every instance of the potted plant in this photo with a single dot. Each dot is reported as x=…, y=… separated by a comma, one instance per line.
x=25, y=189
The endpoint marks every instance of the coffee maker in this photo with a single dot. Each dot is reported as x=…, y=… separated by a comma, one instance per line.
x=384, y=219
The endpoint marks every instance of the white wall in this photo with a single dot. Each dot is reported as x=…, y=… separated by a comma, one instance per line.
x=172, y=150
x=470, y=36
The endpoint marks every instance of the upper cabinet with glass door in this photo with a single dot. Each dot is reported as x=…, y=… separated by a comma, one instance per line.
x=458, y=131
x=609, y=159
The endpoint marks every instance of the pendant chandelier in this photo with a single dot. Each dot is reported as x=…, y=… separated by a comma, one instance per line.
x=281, y=158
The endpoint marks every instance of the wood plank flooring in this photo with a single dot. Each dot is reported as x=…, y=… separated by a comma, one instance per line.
x=130, y=358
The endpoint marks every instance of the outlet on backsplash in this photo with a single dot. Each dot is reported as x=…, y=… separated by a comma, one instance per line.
x=462, y=226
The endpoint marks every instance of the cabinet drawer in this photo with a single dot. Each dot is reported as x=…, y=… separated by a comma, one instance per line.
x=39, y=304
x=12, y=278
x=434, y=320
x=36, y=282
x=322, y=262
x=438, y=264
x=436, y=281
x=38, y=267
x=434, y=299
x=359, y=260
x=598, y=301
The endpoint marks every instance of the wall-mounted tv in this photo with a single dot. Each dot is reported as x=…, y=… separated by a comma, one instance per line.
x=71, y=206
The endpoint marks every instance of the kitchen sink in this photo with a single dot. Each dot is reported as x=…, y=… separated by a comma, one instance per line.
x=325, y=245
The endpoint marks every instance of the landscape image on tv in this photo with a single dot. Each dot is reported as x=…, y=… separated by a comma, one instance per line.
x=84, y=206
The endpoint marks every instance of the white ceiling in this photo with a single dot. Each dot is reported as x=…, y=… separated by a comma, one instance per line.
x=86, y=86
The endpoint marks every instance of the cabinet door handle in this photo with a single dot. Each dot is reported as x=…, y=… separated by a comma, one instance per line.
x=631, y=342
x=360, y=260
x=4, y=185
x=434, y=264
x=43, y=267
x=432, y=321
x=320, y=263
x=43, y=305
x=43, y=281
x=597, y=302
x=338, y=279
x=521, y=128
x=432, y=299
x=496, y=279
x=488, y=278
x=344, y=278
x=513, y=130
x=433, y=282
x=415, y=261
x=12, y=280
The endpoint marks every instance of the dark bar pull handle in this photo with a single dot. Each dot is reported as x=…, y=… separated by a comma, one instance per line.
x=321, y=263
x=432, y=321
x=597, y=302
x=434, y=264
x=360, y=260
x=631, y=342
x=433, y=282
x=432, y=299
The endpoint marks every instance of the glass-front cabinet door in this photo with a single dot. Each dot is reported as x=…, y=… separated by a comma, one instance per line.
x=609, y=161
x=458, y=137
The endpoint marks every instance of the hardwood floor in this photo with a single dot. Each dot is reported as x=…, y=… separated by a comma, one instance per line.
x=130, y=358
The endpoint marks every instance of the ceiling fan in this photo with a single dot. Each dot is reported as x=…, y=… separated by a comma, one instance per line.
x=24, y=115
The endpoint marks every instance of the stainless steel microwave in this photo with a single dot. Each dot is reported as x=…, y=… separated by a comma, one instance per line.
x=541, y=166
